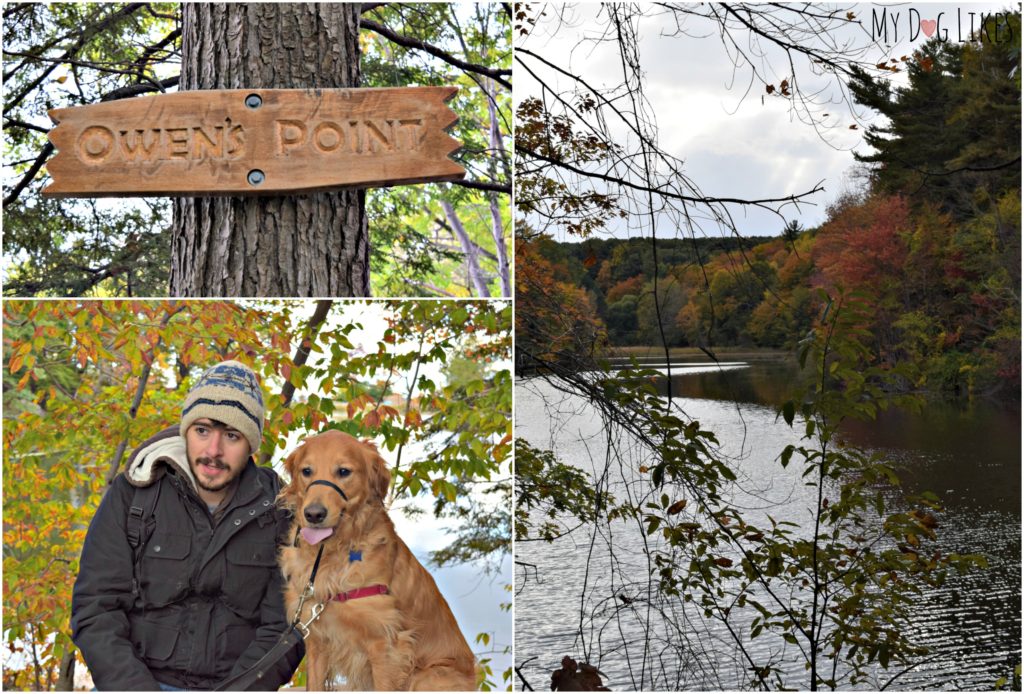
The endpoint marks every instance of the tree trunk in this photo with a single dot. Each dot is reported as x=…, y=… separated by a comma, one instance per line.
x=497, y=228
x=295, y=245
x=476, y=275
x=66, y=678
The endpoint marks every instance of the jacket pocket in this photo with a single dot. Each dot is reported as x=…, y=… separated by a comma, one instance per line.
x=155, y=642
x=252, y=554
x=249, y=568
x=165, y=568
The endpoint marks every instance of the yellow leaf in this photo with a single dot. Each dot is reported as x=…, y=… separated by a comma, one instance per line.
x=413, y=418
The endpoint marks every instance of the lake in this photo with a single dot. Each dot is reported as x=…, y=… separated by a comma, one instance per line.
x=587, y=594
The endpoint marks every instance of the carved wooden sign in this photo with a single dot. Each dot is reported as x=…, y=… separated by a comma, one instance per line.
x=253, y=142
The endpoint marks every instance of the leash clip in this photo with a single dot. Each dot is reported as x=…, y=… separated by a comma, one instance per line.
x=305, y=595
x=304, y=626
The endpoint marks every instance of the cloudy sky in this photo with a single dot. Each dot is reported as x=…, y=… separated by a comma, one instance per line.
x=736, y=140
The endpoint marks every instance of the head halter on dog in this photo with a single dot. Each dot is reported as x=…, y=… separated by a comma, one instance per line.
x=332, y=485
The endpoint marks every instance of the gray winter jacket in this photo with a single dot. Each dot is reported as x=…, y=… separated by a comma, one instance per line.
x=205, y=601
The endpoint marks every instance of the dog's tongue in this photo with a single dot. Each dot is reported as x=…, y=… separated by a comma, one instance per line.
x=315, y=535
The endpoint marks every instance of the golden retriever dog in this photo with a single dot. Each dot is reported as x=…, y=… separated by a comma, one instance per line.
x=385, y=626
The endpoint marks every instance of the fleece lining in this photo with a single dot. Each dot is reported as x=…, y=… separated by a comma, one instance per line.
x=146, y=464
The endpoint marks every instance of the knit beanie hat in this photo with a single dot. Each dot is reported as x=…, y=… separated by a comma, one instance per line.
x=230, y=393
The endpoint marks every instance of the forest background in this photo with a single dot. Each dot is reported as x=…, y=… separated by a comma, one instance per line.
x=928, y=235
x=444, y=240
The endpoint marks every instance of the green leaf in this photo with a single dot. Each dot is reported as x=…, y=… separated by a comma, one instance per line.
x=787, y=453
x=789, y=411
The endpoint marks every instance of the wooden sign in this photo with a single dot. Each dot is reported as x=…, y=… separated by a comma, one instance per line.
x=253, y=142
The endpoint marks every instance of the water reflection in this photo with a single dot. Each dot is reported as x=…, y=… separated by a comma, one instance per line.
x=970, y=456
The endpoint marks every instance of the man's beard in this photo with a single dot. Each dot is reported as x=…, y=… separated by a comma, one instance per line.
x=216, y=464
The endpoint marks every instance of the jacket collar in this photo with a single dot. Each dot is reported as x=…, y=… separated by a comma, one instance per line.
x=150, y=461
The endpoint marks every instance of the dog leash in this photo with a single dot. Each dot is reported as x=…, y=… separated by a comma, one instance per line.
x=298, y=631
x=294, y=635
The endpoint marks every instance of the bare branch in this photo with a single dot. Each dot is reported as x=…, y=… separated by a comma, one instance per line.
x=763, y=202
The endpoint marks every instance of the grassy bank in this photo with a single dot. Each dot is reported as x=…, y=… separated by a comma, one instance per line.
x=694, y=354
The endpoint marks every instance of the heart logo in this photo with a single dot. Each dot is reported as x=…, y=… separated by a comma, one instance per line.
x=928, y=27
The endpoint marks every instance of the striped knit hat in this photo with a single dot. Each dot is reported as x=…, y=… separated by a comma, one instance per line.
x=230, y=393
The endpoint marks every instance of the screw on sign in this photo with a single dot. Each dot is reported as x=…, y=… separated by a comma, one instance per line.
x=253, y=142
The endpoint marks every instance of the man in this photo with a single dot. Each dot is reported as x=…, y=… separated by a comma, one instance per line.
x=179, y=586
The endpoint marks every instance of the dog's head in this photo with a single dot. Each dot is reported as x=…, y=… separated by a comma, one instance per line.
x=345, y=462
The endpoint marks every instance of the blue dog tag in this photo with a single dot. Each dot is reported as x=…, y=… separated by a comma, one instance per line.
x=355, y=555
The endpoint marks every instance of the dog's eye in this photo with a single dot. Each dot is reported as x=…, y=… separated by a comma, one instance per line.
x=343, y=472
x=307, y=471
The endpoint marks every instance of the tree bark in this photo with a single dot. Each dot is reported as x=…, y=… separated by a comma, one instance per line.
x=296, y=245
x=66, y=678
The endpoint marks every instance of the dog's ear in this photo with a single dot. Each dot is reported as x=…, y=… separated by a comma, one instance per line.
x=289, y=463
x=289, y=495
x=380, y=476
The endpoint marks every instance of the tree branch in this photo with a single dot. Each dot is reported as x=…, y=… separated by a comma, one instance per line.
x=484, y=185
x=479, y=249
x=14, y=122
x=44, y=154
x=323, y=307
x=765, y=202
x=87, y=34
x=428, y=286
x=469, y=248
x=409, y=42
x=141, y=88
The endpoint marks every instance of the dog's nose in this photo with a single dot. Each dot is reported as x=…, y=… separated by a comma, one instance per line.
x=315, y=513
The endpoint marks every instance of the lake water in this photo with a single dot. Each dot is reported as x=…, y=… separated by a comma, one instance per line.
x=588, y=594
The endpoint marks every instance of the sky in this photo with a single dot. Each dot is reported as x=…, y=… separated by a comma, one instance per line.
x=736, y=143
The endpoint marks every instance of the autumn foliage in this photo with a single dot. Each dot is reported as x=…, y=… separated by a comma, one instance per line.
x=86, y=381
x=555, y=321
x=931, y=243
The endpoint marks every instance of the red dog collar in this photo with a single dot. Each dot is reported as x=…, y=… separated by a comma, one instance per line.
x=368, y=591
